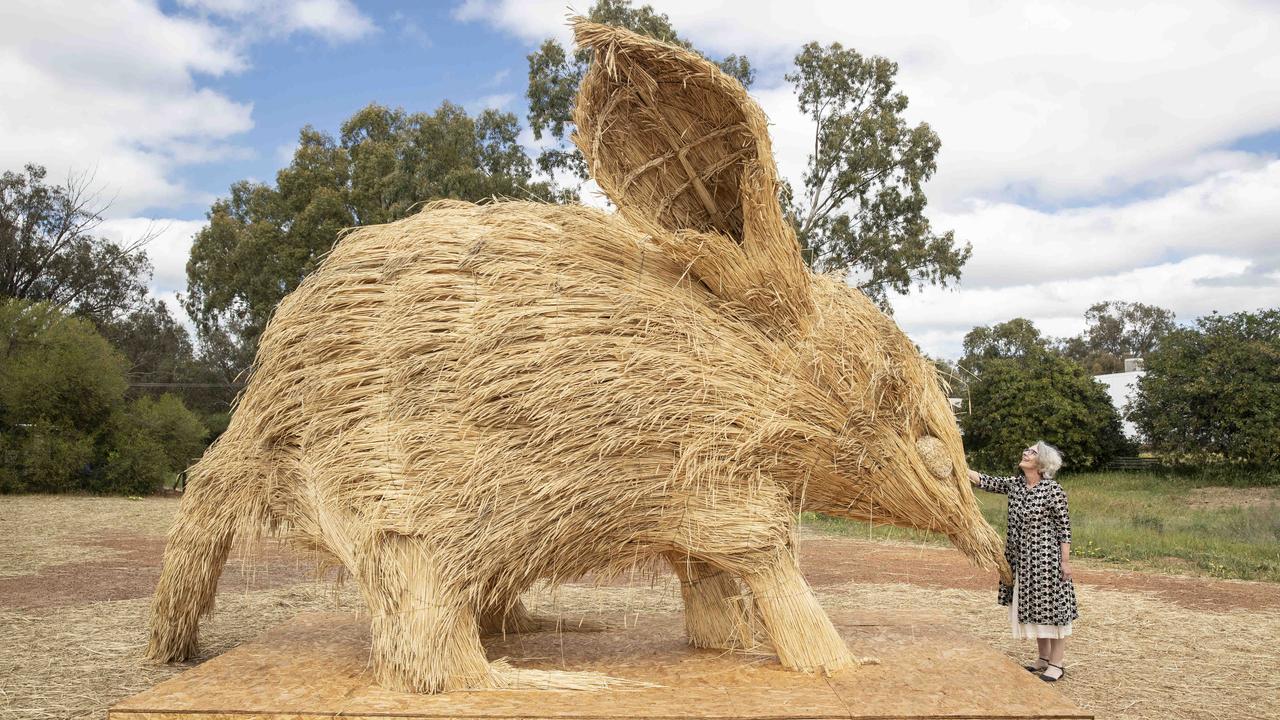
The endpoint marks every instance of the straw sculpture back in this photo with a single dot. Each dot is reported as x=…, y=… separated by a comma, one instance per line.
x=479, y=397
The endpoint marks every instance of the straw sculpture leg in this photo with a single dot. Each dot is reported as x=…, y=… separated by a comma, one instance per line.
x=802, y=634
x=425, y=635
x=715, y=614
x=511, y=619
x=506, y=619
x=194, y=556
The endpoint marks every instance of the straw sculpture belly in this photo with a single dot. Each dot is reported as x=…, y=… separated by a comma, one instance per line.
x=478, y=397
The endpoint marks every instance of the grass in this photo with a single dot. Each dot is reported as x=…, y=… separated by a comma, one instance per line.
x=1151, y=521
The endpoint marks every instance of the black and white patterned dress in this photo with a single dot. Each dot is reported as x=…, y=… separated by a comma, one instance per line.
x=1038, y=525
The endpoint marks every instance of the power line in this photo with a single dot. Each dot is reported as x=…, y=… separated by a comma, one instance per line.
x=186, y=384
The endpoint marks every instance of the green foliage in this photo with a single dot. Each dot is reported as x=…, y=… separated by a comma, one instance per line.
x=134, y=462
x=48, y=252
x=863, y=202
x=64, y=422
x=60, y=383
x=262, y=241
x=1117, y=330
x=178, y=431
x=1014, y=338
x=148, y=444
x=1023, y=392
x=1211, y=393
x=155, y=344
x=554, y=76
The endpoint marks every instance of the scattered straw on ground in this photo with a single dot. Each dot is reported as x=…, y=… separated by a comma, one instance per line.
x=39, y=533
x=74, y=662
x=1132, y=656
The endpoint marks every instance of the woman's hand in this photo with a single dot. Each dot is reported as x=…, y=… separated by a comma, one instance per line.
x=1066, y=570
x=973, y=478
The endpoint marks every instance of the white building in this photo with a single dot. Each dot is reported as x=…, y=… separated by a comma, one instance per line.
x=1122, y=386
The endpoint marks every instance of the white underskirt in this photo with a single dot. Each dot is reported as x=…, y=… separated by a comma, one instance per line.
x=1030, y=631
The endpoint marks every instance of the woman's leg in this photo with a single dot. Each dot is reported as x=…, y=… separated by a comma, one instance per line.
x=1057, y=649
x=1044, y=648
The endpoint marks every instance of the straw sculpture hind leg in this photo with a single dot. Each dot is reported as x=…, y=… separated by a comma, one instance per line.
x=715, y=615
x=425, y=635
x=512, y=618
x=802, y=634
x=194, y=556
x=515, y=618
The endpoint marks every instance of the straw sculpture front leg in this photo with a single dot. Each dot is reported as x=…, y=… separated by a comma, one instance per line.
x=425, y=635
x=802, y=634
x=715, y=614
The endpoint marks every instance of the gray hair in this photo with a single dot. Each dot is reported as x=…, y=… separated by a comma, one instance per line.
x=1048, y=459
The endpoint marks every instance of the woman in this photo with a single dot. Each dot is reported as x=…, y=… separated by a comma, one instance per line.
x=1042, y=601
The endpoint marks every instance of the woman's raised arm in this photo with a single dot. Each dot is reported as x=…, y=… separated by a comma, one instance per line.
x=990, y=484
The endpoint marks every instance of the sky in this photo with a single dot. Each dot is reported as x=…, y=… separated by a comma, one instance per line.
x=1091, y=151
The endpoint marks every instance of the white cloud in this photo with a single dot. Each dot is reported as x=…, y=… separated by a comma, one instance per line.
x=333, y=20
x=285, y=151
x=410, y=29
x=1213, y=245
x=168, y=250
x=1059, y=101
x=113, y=87
x=530, y=20
x=108, y=87
x=496, y=101
x=591, y=195
x=498, y=77
x=938, y=319
x=1233, y=213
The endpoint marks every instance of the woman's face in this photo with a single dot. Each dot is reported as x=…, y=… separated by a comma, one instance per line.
x=1030, y=460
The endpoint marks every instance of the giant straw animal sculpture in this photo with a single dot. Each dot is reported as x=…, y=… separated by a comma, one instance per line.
x=462, y=403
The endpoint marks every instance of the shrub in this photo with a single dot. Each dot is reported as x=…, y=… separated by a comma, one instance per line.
x=179, y=431
x=1211, y=393
x=60, y=383
x=64, y=422
x=1015, y=401
x=135, y=463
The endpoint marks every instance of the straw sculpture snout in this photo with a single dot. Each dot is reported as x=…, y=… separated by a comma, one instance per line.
x=476, y=398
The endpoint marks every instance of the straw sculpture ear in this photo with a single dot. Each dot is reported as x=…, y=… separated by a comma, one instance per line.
x=678, y=145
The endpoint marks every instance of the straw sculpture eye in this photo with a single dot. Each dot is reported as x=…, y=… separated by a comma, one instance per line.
x=935, y=457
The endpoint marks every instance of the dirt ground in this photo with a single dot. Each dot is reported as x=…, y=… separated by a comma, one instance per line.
x=1217, y=498
x=76, y=575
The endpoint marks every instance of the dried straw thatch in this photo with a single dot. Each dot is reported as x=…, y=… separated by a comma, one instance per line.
x=475, y=398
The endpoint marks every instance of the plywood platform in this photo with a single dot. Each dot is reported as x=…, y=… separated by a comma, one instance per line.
x=316, y=667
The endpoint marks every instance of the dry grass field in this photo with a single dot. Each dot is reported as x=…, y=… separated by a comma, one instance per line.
x=76, y=574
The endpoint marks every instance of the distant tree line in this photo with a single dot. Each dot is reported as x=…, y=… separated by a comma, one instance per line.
x=1209, y=396
x=78, y=339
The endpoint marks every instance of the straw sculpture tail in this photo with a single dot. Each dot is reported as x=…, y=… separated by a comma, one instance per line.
x=476, y=398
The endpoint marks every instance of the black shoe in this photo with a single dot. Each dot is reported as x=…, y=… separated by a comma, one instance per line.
x=1046, y=678
x=1033, y=668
